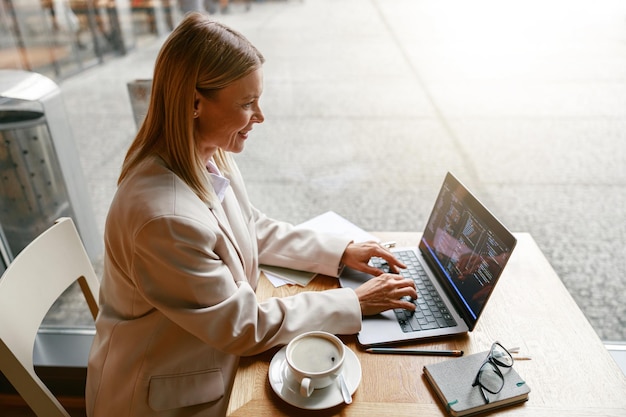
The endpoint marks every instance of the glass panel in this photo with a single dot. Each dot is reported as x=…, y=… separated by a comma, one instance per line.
x=58, y=38
x=9, y=53
x=98, y=28
x=31, y=34
x=152, y=18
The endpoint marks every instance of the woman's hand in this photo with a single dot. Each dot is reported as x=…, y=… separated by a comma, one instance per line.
x=357, y=256
x=384, y=291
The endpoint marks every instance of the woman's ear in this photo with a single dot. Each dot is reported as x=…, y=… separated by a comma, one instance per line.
x=196, y=104
x=196, y=101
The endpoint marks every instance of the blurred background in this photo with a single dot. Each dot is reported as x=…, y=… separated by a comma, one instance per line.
x=369, y=103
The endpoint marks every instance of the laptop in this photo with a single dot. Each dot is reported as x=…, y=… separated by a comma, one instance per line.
x=456, y=265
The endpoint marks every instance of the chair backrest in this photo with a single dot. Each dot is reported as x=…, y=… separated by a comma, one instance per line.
x=35, y=279
x=139, y=92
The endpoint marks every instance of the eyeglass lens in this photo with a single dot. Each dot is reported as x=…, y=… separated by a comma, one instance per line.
x=501, y=356
x=490, y=378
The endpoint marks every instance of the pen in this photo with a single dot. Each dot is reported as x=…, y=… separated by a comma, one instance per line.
x=401, y=351
x=390, y=244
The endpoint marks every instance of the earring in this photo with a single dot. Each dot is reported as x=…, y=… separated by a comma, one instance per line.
x=195, y=114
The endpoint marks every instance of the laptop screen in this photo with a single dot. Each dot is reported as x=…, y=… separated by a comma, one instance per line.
x=467, y=245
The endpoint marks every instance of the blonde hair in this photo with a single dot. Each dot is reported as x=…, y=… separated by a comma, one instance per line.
x=199, y=55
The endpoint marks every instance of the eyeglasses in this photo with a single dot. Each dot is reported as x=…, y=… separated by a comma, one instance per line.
x=489, y=377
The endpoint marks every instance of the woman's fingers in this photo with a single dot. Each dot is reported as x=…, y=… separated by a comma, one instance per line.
x=387, y=291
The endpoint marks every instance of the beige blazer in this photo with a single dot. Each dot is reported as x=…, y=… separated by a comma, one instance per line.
x=177, y=298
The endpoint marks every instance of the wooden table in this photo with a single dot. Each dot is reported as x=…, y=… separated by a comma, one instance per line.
x=570, y=374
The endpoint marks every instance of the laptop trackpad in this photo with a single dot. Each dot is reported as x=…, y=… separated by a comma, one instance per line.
x=351, y=278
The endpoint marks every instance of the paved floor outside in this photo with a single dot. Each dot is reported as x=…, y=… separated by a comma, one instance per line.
x=369, y=102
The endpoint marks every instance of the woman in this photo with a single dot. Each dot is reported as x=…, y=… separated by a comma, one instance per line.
x=183, y=245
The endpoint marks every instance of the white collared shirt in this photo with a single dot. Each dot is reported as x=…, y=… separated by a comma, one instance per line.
x=219, y=182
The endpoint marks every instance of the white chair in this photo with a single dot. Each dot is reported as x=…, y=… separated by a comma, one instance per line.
x=31, y=284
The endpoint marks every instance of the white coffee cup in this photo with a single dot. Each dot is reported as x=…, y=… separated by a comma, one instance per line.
x=315, y=359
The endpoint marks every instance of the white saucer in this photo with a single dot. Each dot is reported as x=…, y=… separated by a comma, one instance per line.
x=321, y=398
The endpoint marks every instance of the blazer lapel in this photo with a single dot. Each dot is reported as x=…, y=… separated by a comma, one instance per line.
x=222, y=220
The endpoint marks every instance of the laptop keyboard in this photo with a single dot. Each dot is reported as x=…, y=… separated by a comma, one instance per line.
x=431, y=312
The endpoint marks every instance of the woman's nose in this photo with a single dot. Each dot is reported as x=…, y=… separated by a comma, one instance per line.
x=258, y=116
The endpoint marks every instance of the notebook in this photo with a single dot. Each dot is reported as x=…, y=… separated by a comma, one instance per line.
x=462, y=252
x=452, y=382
